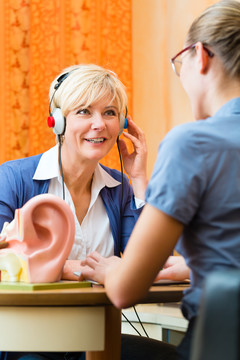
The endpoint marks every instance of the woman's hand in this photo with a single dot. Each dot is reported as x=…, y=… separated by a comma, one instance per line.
x=175, y=269
x=69, y=268
x=95, y=266
x=135, y=163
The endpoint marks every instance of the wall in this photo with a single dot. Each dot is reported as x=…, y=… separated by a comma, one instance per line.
x=158, y=32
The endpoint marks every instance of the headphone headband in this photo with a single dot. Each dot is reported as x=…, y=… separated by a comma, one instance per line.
x=60, y=79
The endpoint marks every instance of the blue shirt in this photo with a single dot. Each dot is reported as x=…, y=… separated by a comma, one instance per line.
x=196, y=180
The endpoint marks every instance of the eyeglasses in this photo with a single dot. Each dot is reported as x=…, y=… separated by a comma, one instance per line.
x=177, y=62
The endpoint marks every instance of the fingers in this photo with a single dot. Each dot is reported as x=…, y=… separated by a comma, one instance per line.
x=95, y=256
x=92, y=259
x=132, y=127
x=95, y=266
x=176, y=272
x=139, y=144
x=135, y=140
x=92, y=263
x=69, y=268
x=174, y=260
x=89, y=273
x=134, y=131
x=135, y=135
x=166, y=274
x=123, y=147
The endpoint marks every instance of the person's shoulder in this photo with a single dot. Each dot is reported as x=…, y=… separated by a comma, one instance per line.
x=189, y=135
x=184, y=131
x=22, y=164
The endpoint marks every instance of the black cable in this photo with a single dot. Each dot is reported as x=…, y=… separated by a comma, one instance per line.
x=120, y=158
x=140, y=322
x=121, y=210
x=60, y=165
x=131, y=324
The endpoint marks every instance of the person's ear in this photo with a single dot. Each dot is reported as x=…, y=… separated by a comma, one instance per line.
x=202, y=58
x=42, y=237
x=53, y=228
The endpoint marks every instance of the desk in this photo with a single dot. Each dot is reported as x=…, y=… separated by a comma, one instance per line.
x=68, y=320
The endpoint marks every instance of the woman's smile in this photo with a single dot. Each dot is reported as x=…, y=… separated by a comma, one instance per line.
x=99, y=140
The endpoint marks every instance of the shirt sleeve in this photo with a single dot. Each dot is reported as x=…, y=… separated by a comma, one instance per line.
x=8, y=195
x=178, y=179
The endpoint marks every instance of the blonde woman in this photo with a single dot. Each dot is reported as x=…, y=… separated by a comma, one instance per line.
x=87, y=107
x=193, y=196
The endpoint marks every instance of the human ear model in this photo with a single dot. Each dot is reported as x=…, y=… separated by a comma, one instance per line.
x=39, y=239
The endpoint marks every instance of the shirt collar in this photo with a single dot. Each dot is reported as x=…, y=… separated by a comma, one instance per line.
x=230, y=108
x=48, y=165
x=102, y=178
x=48, y=169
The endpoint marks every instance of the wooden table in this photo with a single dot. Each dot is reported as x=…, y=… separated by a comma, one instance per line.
x=68, y=320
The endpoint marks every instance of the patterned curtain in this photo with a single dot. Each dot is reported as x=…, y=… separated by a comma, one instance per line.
x=38, y=40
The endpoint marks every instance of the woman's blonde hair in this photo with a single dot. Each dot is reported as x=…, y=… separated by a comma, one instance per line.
x=84, y=85
x=219, y=27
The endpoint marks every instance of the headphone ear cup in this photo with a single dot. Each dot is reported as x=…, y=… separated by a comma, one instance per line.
x=123, y=123
x=59, y=121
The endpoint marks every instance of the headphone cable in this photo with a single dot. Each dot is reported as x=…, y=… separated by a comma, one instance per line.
x=121, y=164
x=131, y=324
x=121, y=210
x=60, y=165
x=140, y=322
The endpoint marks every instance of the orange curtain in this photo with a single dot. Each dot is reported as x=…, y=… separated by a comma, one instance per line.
x=38, y=40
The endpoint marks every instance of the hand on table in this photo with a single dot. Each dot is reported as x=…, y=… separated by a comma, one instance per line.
x=95, y=266
x=69, y=268
x=175, y=269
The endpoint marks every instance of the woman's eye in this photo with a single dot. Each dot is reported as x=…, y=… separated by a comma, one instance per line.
x=110, y=112
x=83, y=111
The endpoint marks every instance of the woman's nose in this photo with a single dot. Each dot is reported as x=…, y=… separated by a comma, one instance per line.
x=98, y=122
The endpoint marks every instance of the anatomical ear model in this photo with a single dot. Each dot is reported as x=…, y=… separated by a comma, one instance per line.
x=39, y=239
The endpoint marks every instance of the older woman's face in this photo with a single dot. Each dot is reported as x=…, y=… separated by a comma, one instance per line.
x=92, y=131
